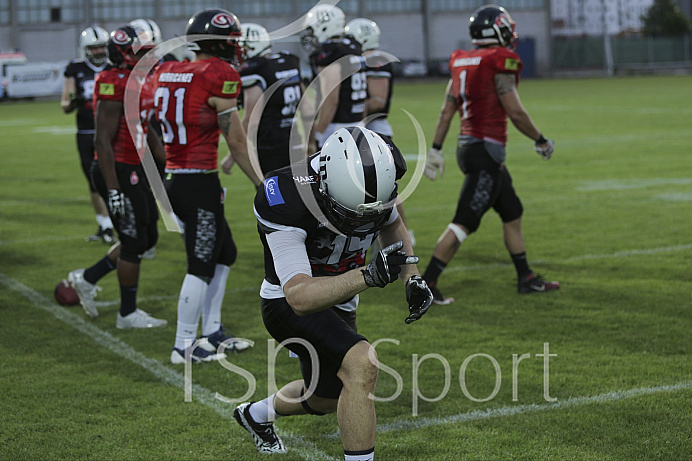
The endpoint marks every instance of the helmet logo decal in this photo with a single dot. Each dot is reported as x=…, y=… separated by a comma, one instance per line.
x=223, y=21
x=120, y=37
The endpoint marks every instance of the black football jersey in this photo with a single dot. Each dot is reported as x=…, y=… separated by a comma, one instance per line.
x=275, y=125
x=353, y=90
x=84, y=74
x=278, y=206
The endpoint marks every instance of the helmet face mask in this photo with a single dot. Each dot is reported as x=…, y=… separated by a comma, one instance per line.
x=92, y=43
x=256, y=40
x=492, y=25
x=127, y=45
x=357, y=188
x=364, y=31
x=226, y=37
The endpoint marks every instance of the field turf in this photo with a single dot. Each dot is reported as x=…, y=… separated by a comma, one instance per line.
x=600, y=370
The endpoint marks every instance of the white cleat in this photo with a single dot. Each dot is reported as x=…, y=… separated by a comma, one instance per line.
x=139, y=319
x=86, y=292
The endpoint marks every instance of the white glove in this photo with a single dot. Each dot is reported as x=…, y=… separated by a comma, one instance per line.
x=544, y=147
x=433, y=162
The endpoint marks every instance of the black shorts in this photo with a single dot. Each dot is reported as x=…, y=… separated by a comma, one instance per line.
x=137, y=229
x=487, y=185
x=332, y=332
x=197, y=199
x=85, y=146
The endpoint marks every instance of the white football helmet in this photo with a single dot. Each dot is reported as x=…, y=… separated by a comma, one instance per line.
x=365, y=31
x=150, y=27
x=256, y=39
x=94, y=37
x=357, y=185
x=324, y=22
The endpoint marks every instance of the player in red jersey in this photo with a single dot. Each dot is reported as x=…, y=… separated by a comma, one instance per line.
x=118, y=176
x=483, y=89
x=194, y=102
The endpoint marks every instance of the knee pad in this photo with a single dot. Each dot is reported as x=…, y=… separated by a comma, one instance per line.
x=458, y=232
x=128, y=255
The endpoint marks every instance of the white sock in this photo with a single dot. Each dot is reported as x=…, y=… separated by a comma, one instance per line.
x=192, y=296
x=263, y=411
x=211, y=314
x=369, y=456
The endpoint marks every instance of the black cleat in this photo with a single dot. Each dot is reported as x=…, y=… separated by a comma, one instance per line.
x=533, y=283
x=263, y=434
x=439, y=298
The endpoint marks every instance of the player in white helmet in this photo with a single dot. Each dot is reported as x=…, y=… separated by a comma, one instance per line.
x=77, y=92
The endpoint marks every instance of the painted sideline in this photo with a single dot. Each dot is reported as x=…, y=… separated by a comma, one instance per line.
x=305, y=449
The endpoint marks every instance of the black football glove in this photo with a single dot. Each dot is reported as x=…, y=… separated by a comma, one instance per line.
x=386, y=267
x=419, y=298
x=116, y=203
x=77, y=102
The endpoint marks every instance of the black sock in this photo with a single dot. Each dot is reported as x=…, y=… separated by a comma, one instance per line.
x=98, y=270
x=433, y=271
x=521, y=264
x=128, y=300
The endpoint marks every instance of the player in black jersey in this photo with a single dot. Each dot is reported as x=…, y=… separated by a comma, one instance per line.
x=76, y=95
x=316, y=220
x=278, y=72
x=343, y=88
x=380, y=78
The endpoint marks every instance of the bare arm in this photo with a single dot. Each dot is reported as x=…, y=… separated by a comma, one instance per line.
x=378, y=89
x=329, y=80
x=307, y=294
x=108, y=114
x=68, y=91
x=233, y=132
x=156, y=147
x=449, y=108
x=506, y=87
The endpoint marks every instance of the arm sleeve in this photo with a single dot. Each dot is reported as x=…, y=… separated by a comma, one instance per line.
x=289, y=254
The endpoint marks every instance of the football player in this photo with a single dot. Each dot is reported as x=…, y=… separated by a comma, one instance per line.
x=77, y=92
x=118, y=175
x=314, y=271
x=280, y=71
x=343, y=86
x=483, y=89
x=194, y=102
x=380, y=74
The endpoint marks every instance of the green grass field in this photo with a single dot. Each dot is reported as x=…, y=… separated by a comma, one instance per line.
x=609, y=217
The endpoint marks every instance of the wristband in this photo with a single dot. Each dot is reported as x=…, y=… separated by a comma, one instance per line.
x=437, y=146
x=541, y=139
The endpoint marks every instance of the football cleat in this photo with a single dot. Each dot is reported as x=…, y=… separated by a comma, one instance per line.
x=150, y=253
x=439, y=298
x=221, y=336
x=263, y=434
x=86, y=292
x=197, y=355
x=139, y=319
x=95, y=237
x=107, y=236
x=534, y=283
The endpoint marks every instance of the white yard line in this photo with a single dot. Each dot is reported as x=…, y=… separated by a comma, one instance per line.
x=305, y=449
x=571, y=402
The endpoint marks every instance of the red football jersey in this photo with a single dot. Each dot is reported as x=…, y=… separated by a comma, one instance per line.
x=189, y=125
x=473, y=83
x=110, y=86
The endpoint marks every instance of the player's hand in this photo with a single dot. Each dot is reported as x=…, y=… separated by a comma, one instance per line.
x=385, y=268
x=116, y=203
x=77, y=102
x=227, y=163
x=419, y=298
x=544, y=147
x=433, y=162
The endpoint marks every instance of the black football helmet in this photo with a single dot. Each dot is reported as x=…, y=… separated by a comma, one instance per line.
x=492, y=25
x=127, y=45
x=225, y=28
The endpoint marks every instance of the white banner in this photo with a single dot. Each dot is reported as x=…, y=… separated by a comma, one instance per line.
x=35, y=79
